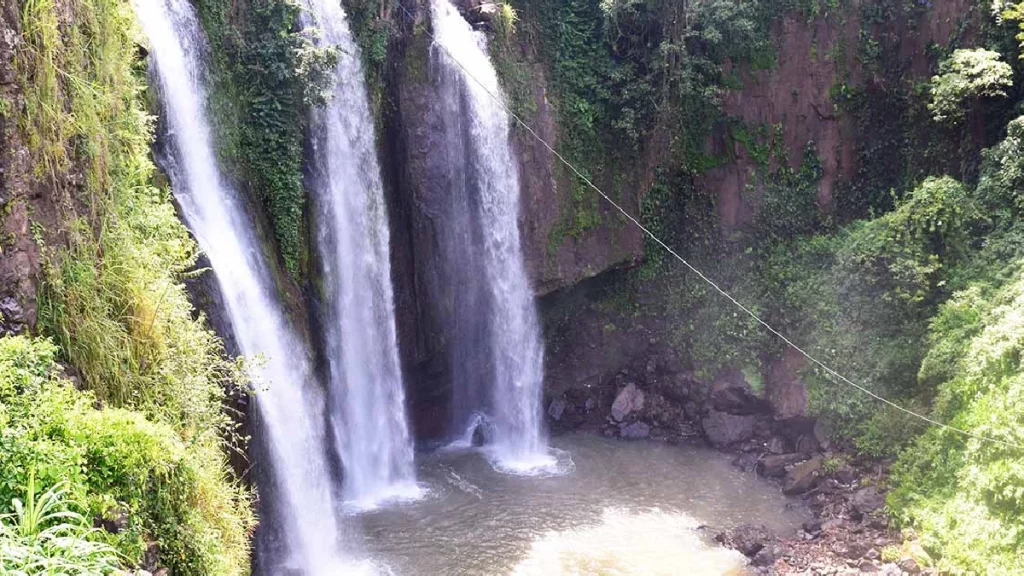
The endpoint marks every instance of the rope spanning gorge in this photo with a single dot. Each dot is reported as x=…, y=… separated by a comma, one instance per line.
x=746, y=310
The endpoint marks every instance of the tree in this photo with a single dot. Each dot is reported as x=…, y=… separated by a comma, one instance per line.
x=967, y=75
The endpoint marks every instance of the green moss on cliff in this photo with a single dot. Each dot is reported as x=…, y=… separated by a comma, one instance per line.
x=266, y=74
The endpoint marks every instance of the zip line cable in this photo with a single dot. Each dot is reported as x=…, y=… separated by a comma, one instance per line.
x=693, y=269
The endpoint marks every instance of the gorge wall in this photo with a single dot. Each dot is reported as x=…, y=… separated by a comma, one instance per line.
x=855, y=52
x=854, y=56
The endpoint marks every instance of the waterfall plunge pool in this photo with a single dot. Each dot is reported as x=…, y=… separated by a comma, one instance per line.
x=627, y=508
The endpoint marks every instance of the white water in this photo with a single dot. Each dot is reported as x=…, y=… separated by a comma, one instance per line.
x=517, y=353
x=367, y=397
x=290, y=405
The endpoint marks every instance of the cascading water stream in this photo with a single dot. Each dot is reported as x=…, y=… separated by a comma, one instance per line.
x=486, y=174
x=367, y=397
x=290, y=405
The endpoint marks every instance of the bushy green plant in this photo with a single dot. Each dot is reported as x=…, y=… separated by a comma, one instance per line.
x=964, y=76
x=174, y=492
x=41, y=536
x=966, y=496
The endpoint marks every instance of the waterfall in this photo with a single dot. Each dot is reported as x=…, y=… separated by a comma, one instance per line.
x=350, y=221
x=290, y=407
x=485, y=204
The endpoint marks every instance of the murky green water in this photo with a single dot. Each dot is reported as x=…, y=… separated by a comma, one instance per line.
x=626, y=508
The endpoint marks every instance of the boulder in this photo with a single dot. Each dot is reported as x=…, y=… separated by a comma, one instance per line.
x=803, y=477
x=722, y=429
x=747, y=539
x=629, y=400
x=774, y=466
x=764, y=558
x=483, y=434
x=730, y=393
x=556, y=408
x=635, y=431
x=865, y=501
x=778, y=445
x=784, y=388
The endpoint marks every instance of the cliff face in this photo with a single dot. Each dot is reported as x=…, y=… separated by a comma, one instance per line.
x=818, y=57
x=19, y=255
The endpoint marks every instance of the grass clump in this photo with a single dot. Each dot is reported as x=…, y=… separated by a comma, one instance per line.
x=42, y=536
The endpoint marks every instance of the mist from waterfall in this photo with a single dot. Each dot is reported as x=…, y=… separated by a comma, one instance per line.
x=367, y=398
x=484, y=204
x=289, y=403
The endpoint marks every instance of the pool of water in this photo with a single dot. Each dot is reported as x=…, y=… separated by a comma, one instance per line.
x=621, y=509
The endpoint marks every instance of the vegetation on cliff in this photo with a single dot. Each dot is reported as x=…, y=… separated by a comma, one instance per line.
x=266, y=73
x=147, y=435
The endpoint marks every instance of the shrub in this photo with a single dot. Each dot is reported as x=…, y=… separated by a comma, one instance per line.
x=175, y=492
x=965, y=76
x=966, y=496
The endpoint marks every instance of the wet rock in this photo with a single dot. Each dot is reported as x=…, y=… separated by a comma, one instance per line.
x=764, y=558
x=629, y=400
x=635, y=431
x=556, y=408
x=680, y=387
x=846, y=474
x=807, y=444
x=865, y=501
x=839, y=548
x=778, y=445
x=856, y=549
x=747, y=539
x=833, y=525
x=114, y=521
x=730, y=393
x=909, y=566
x=775, y=466
x=483, y=434
x=878, y=523
x=723, y=429
x=821, y=434
x=151, y=557
x=803, y=477
x=746, y=461
x=12, y=317
x=659, y=411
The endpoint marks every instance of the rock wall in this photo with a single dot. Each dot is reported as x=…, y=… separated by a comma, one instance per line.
x=416, y=169
x=815, y=57
x=27, y=208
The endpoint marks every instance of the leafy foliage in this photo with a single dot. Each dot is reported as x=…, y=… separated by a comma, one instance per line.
x=113, y=301
x=45, y=538
x=965, y=76
x=174, y=491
